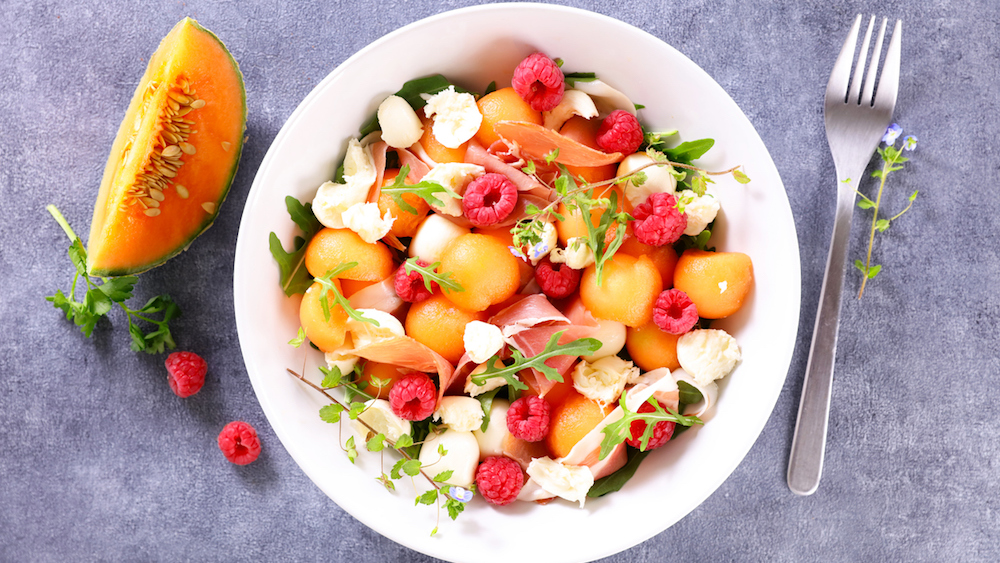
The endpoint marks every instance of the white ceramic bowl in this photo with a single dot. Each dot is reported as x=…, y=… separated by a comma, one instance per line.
x=473, y=47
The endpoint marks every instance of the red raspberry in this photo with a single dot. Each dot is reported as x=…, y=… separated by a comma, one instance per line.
x=413, y=396
x=556, y=280
x=539, y=81
x=410, y=287
x=620, y=132
x=658, y=221
x=238, y=442
x=489, y=199
x=499, y=479
x=662, y=432
x=674, y=312
x=185, y=373
x=528, y=418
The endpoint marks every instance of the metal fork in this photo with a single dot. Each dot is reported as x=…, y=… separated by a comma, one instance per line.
x=855, y=123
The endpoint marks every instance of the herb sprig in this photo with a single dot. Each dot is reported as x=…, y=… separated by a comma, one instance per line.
x=101, y=297
x=892, y=160
x=621, y=430
x=422, y=189
x=327, y=286
x=430, y=274
x=578, y=347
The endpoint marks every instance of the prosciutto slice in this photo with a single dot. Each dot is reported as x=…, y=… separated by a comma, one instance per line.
x=526, y=313
x=406, y=158
x=406, y=352
x=476, y=154
x=381, y=296
x=536, y=141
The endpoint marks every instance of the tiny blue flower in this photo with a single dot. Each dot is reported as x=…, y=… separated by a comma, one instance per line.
x=539, y=250
x=460, y=494
x=516, y=252
x=891, y=134
x=909, y=142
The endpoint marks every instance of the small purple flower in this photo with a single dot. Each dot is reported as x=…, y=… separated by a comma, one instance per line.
x=539, y=250
x=517, y=253
x=909, y=142
x=891, y=134
x=460, y=494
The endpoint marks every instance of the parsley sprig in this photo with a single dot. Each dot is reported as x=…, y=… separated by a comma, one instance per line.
x=621, y=430
x=430, y=274
x=578, y=347
x=424, y=190
x=101, y=297
x=328, y=287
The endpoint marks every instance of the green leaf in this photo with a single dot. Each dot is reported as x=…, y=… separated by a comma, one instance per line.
x=486, y=401
x=492, y=87
x=698, y=184
x=578, y=347
x=865, y=203
x=873, y=271
x=396, y=471
x=551, y=156
x=352, y=451
x=430, y=274
x=443, y=476
x=331, y=413
x=441, y=451
x=403, y=441
x=331, y=377
x=79, y=257
x=411, y=467
x=327, y=287
x=914, y=195
x=689, y=394
x=138, y=338
x=303, y=216
x=529, y=168
x=882, y=225
x=384, y=479
x=119, y=289
x=639, y=106
x=741, y=177
x=573, y=77
x=617, y=432
x=617, y=480
x=860, y=265
x=428, y=497
x=411, y=92
x=60, y=301
x=97, y=302
x=376, y=443
x=689, y=151
x=424, y=190
x=294, y=278
x=454, y=508
x=355, y=410
x=300, y=337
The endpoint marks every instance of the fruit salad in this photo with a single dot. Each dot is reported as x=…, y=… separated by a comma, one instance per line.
x=515, y=289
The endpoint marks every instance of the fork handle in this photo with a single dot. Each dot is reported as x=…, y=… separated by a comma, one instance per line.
x=805, y=463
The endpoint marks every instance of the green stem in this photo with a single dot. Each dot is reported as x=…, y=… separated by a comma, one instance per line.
x=898, y=215
x=871, y=235
x=58, y=216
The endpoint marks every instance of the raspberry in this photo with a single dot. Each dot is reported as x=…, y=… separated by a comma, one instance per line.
x=238, y=442
x=556, y=280
x=489, y=199
x=185, y=373
x=539, y=81
x=620, y=132
x=410, y=287
x=528, y=418
x=413, y=396
x=658, y=221
x=662, y=432
x=499, y=479
x=674, y=312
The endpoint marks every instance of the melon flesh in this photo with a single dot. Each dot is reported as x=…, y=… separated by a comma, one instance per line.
x=174, y=157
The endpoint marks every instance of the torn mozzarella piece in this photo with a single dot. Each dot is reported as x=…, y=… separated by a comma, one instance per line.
x=577, y=254
x=603, y=380
x=611, y=334
x=340, y=359
x=707, y=354
x=606, y=98
x=482, y=340
x=461, y=457
x=531, y=491
x=550, y=241
x=490, y=384
x=378, y=414
x=454, y=176
x=700, y=210
x=709, y=393
x=570, y=482
x=456, y=117
x=491, y=441
x=400, y=125
x=363, y=218
x=365, y=333
x=333, y=199
x=659, y=179
x=460, y=413
x=433, y=234
x=574, y=102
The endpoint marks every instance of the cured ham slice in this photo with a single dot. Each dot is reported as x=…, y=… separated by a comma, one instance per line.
x=526, y=313
x=406, y=352
x=532, y=341
x=523, y=451
x=536, y=141
x=406, y=158
x=476, y=154
x=381, y=296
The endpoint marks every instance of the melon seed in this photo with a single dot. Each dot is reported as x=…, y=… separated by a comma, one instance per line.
x=188, y=148
x=156, y=194
x=197, y=104
x=208, y=206
x=181, y=191
x=226, y=145
x=151, y=212
x=171, y=151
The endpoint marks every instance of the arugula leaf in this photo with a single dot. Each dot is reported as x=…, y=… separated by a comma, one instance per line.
x=617, y=480
x=578, y=347
x=688, y=151
x=486, y=401
x=429, y=274
x=492, y=87
x=327, y=287
x=573, y=77
x=617, y=432
x=688, y=394
x=424, y=190
x=411, y=92
x=294, y=278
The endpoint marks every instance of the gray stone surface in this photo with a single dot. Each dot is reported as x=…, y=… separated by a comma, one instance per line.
x=98, y=460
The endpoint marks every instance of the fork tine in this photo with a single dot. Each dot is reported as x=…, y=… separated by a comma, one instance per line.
x=841, y=74
x=873, y=66
x=888, y=84
x=854, y=96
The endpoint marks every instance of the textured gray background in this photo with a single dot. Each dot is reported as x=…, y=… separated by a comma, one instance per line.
x=98, y=460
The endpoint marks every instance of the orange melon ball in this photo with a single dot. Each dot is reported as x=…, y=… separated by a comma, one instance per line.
x=584, y=131
x=406, y=223
x=507, y=239
x=571, y=420
x=350, y=287
x=438, y=152
x=664, y=257
x=440, y=325
x=557, y=394
x=485, y=269
x=385, y=372
x=628, y=290
x=651, y=348
x=332, y=247
x=502, y=105
x=327, y=335
x=573, y=225
x=717, y=282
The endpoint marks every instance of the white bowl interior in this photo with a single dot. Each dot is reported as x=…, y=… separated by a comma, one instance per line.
x=473, y=47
